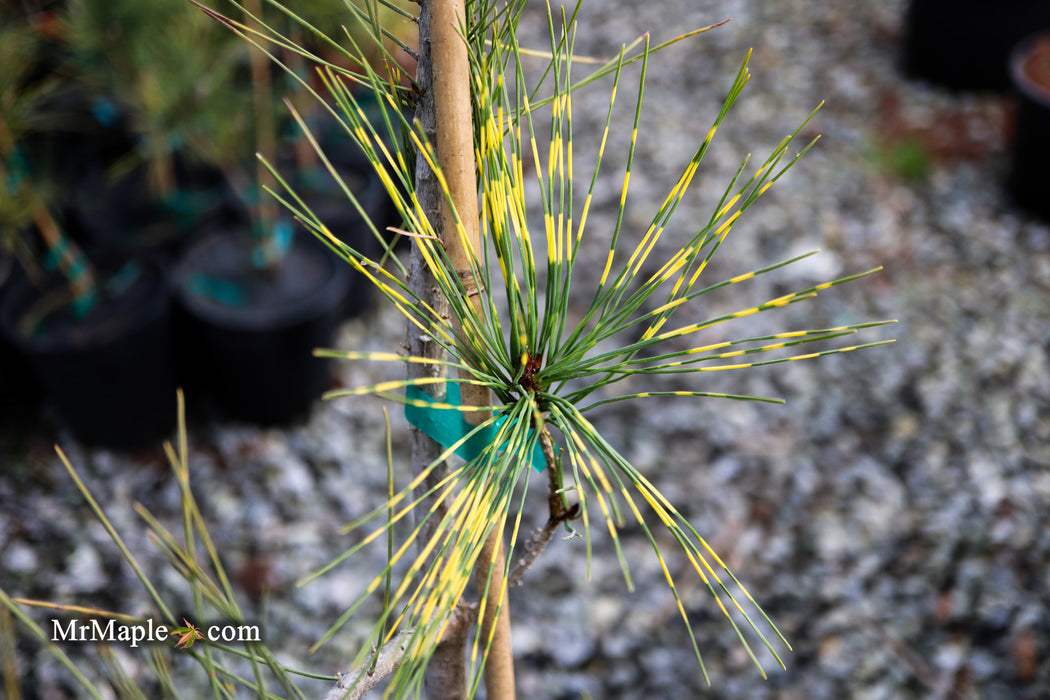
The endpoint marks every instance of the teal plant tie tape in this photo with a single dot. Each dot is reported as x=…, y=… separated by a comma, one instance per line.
x=77, y=269
x=259, y=255
x=120, y=282
x=175, y=140
x=187, y=203
x=83, y=305
x=273, y=245
x=282, y=237
x=446, y=426
x=105, y=112
x=218, y=290
x=18, y=172
x=54, y=255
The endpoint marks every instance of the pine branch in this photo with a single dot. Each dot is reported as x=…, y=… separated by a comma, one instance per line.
x=387, y=659
x=559, y=513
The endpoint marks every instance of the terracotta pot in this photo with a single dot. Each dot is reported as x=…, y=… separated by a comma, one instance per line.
x=1029, y=179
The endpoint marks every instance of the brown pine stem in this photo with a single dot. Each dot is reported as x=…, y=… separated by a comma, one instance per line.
x=558, y=514
x=555, y=499
x=356, y=684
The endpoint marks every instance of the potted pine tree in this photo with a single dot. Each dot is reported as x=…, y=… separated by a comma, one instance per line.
x=529, y=371
x=520, y=369
x=252, y=301
x=96, y=336
x=170, y=76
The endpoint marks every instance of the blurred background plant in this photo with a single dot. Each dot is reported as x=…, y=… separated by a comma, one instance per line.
x=132, y=130
x=27, y=192
x=177, y=77
x=76, y=327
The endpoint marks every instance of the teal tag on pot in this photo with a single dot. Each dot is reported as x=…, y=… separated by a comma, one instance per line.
x=446, y=426
x=272, y=245
x=106, y=113
x=216, y=289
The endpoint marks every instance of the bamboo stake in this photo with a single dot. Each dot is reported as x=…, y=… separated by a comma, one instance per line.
x=446, y=676
x=455, y=152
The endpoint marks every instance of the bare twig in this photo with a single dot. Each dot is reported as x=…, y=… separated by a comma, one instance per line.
x=354, y=685
x=533, y=548
x=941, y=684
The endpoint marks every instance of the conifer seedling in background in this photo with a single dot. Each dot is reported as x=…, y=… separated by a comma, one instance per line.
x=24, y=200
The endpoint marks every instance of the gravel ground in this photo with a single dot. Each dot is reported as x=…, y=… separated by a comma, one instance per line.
x=891, y=518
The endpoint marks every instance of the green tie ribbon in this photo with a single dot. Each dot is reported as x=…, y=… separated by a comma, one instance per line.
x=446, y=426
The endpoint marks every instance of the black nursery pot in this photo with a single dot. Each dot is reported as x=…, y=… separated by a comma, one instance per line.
x=326, y=199
x=109, y=375
x=122, y=215
x=19, y=394
x=246, y=337
x=965, y=44
x=331, y=205
x=1028, y=182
